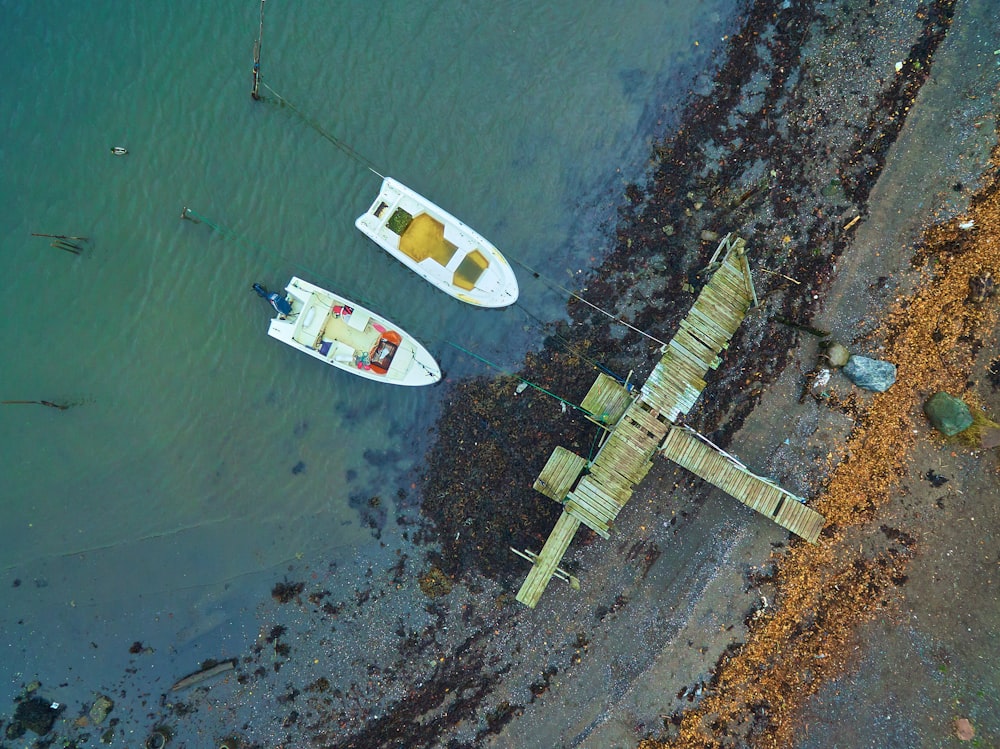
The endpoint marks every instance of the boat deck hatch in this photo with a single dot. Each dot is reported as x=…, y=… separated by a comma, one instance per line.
x=424, y=238
x=470, y=269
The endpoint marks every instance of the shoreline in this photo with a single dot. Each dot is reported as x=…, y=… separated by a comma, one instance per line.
x=835, y=231
x=799, y=151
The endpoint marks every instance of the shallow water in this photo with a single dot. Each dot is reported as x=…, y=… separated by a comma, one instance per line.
x=201, y=458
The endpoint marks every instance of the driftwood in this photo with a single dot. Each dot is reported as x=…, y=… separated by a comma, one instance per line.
x=206, y=673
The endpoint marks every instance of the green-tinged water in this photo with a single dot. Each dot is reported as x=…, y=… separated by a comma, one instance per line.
x=201, y=457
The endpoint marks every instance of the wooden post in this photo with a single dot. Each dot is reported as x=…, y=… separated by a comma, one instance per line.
x=254, y=92
x=50, y=404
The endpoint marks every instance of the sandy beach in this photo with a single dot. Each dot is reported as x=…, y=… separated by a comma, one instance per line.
x=853, y=146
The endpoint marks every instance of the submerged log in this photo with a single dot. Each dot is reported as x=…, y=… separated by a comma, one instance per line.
x=204, y=674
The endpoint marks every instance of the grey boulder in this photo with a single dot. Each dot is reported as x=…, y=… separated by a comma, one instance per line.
x=870, y=374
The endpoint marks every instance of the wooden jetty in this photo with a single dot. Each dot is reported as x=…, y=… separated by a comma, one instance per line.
x=639, y=425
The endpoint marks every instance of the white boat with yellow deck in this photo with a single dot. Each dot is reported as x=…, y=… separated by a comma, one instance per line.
x=438, y=247
x=347, y=336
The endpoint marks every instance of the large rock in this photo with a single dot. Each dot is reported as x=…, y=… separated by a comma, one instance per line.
x=948, y=414
x=870, y=374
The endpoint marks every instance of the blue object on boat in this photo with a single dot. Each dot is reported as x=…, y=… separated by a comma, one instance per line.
x=281, y=305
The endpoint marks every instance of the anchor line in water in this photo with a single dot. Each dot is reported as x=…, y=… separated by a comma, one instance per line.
x=370, y=165
x=570, y=347
x=196, y=217
x=527, y=382
x=360, y=158
x=552, y=284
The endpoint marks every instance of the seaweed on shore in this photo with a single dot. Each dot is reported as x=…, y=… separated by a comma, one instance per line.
x=751, y=156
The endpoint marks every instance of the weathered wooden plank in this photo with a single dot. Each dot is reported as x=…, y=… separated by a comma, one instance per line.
x=714, y=307
x=559, y=473
x=607, y=399
x=700, y=323
x=600, y=504
x=548, y=559
x=648, y=421
x=725, y=298
x=729, y=278
x=582, y=513
x=612, y=480
x=694, y=348
x=734, y=280
x=690, y=353
x=668, y=389
x=676, y=371
x=801, y=520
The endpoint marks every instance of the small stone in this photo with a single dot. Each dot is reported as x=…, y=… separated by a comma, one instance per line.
x=870, y=374
x=709, y=236
x=989, y=438
x=837, y=355
x=100, y=709
x=964, y=729
x=948, y=414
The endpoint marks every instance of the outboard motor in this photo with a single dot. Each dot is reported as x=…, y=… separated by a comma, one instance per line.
x=281, y=305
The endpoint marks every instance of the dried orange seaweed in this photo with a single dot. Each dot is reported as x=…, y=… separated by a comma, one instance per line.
x=826, y=591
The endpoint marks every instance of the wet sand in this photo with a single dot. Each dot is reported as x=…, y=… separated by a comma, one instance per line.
x=700, y=623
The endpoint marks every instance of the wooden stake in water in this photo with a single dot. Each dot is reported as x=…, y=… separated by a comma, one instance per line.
x=59, y=236
x=50, y=404
x=254, y=92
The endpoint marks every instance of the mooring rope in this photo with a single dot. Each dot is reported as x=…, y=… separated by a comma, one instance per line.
x=527, y=382
x=360, y=158
x=553, y=284
x=370, y=165
x=571, y=348
x=193, y=215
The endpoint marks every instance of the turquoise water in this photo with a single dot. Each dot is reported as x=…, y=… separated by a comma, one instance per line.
x=164, y=504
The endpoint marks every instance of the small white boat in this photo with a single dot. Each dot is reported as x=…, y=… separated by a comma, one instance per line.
x=439, y=247
x=348, y=336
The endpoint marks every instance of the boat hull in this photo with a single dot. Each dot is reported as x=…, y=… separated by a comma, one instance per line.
x=438, y=247
x=345, y=335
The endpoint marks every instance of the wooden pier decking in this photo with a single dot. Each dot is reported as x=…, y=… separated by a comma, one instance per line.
x=641, y=424
x=689, y=449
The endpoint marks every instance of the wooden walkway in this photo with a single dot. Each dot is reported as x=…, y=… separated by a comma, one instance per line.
x=689, y=449
x=641, y=425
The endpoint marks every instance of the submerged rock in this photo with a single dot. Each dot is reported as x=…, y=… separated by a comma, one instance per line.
x=100, y=709
x=948, y=414
x=870, y=374
x=37, y=715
